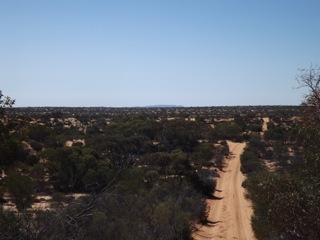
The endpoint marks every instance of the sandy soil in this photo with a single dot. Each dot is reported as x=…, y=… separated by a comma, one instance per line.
x=70, y=143
x=265, y=126
x=230, y=216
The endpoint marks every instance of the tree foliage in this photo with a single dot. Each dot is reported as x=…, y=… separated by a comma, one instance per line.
x=226, y=131
x=5, y=102
x=9, y=148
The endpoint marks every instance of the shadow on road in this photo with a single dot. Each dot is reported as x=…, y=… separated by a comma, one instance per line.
x=214, y=197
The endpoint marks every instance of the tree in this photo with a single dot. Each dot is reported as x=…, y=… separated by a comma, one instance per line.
x=68, y=166
x=310, y=79
x=5, y=102
x=9, y=149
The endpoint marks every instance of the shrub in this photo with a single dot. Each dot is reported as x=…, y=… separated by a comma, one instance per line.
x=21, y=189
x=250, y=162
x=32, y=159
x=36, y=145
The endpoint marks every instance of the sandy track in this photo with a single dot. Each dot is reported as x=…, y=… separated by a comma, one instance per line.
x=230, y=216
x=265, y=124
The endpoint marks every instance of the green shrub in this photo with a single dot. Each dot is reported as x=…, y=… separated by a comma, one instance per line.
x=21, y=189
x=36, y=145
x=250, y=162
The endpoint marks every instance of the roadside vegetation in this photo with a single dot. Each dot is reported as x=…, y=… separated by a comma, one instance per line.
x=285, y=191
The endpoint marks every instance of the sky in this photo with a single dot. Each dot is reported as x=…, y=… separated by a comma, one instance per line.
x=126, y=53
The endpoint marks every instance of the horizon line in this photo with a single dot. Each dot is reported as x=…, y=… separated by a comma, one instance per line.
x=160, y=106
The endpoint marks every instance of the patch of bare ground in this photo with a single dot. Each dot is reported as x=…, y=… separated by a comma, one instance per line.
x=270, y=165
x=71, y=143
x=46, y=202
x=265, y=124
x=229, y=212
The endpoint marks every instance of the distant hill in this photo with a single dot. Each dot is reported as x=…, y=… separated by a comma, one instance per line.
x=163, y=106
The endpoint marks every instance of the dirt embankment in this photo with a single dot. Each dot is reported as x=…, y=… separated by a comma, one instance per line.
x=230, y=214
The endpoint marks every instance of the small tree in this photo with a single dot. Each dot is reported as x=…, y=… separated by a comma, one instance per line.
x=5, y=102
x=8, y=147
x=310, y=78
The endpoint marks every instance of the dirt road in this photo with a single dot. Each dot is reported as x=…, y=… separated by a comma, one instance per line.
x=229, y=217
x=265, y=124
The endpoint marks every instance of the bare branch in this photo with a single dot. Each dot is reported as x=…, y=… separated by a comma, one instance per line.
x=311, y=79
x=91, y=205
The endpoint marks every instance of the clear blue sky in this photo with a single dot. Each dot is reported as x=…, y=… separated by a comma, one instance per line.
x=136, y=53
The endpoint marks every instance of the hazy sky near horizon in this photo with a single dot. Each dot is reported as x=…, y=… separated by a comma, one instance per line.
x=137, y=53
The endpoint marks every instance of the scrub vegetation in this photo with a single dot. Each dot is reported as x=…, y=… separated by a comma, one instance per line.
x=285, y=192
x=146, y=173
